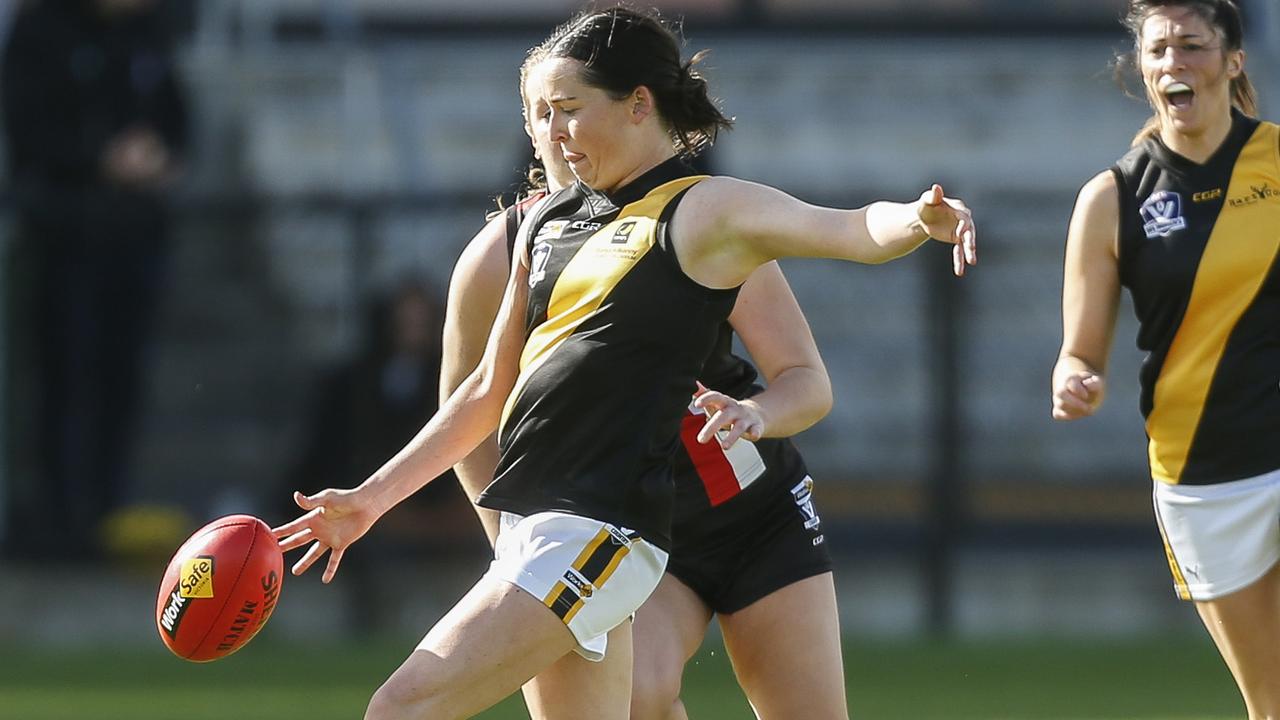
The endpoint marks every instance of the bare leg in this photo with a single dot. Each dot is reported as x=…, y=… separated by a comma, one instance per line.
x=1245, y=625
x=669, y=629
x=490, y=643
x=785, y=649
x=594, y=688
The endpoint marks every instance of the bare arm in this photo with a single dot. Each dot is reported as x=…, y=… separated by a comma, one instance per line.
x=337, y=518
x=1090, y=296
x=775, y=332
x=475, y=294
x=725, y=228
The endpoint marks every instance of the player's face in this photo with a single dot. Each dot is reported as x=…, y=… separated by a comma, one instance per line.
x=537, y=115
x=585, y=123
x=1186, y=73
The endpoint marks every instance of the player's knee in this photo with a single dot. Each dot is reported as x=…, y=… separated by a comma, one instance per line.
x=655, y=690
x=396, y=701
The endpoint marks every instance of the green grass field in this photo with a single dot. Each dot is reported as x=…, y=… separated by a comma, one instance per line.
x=1137, y=680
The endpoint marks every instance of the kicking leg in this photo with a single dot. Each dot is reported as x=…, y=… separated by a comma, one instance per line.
x=495, y=639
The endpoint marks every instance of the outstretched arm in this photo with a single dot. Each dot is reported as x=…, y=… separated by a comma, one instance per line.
x=1090, y=296
x=337, y=518
x=475, y=295
x=725, y=228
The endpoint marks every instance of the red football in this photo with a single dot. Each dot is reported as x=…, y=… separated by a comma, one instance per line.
x=220, y=588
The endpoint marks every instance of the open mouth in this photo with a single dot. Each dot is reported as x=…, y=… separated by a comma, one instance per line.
x=1180, y=95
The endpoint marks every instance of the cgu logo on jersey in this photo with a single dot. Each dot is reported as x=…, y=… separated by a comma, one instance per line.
x=802, y=493
x=1162, y=214
x=585, y=225
x=1256, y=195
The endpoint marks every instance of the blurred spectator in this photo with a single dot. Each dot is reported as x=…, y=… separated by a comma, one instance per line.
x=371, y=406
x=95, y=126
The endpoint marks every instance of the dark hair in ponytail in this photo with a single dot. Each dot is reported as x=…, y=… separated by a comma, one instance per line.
x=622, y=49
x=1224, y=17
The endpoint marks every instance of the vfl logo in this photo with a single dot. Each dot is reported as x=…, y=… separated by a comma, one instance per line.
x=538, y=263
x=623, y=233
x=196, y=580
x=1162, y=214
x=802, y=493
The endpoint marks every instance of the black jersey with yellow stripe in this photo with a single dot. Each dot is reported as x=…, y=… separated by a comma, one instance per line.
x=616, y=336
x=1198, y=251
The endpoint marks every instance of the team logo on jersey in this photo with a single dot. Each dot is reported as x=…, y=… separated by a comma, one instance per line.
x=802, y=493
x=1256, y=194
x=623, y=233
x=538, y=263
x=551, y=230
x=1162, y=214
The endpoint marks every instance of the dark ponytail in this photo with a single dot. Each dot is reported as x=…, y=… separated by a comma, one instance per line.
x=1224, y=17
x=621, y=49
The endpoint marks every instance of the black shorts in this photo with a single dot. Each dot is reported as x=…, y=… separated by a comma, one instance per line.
x=761, y=541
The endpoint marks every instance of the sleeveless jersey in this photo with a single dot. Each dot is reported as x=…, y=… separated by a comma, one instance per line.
x=1198, y=250
x=717, y=488
x=616, y=335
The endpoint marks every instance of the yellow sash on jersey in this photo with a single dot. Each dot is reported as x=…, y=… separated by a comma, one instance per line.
x=595, y=270
x=1240, y=252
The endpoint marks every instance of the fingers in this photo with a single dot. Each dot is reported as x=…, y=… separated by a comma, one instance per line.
x=1076, y=397
x=715, y=423
x=745, y=430
x=309, y=558
x=967, y=235
x=957, y=260
x=331, y=568
x=701, y=388
x=933, y=196
x=294, y=526
x=711, y=401
x=296, y=540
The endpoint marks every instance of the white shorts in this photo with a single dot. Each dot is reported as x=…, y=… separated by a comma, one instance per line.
x=591, y=574
x=1219, y=538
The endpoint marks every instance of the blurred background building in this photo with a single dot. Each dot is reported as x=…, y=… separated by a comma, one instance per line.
x=334, y=156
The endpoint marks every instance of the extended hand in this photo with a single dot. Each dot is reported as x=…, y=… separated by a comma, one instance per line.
x=737, y=419
x=949, y=220
x=334, y=519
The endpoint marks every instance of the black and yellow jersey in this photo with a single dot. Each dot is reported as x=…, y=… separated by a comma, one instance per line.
x=1198, y=251
x=616, y=336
